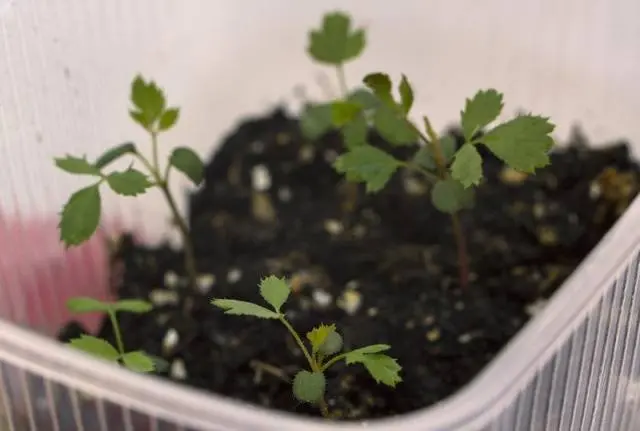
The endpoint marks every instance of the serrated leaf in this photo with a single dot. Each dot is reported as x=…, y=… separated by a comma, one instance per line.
x=138, y=362
x=243, y=308
x=80, y=216
x=367, y=350
x=77, y=165
x=467, y=166
x=149, y=100
x=141, y=119
x=318, y=335
x=449, y=196
x=335, y=42
x=480, y=111
x=367, y=164
x=355, y=133
x=137, y=306
x=522, y=143
x=82, y=304
x=406, y=95
x=331, y=345
x=380, y=84
x=188, y=162
x=95, y=346
x=309, y=387
x=424, y=156
x=129, y=183
x=315, y=121
x=344, y=112
x=384, y=369
x=365, y=98
x=275, y=291
x=114, y=154
x=393, y=127
x=168, y=119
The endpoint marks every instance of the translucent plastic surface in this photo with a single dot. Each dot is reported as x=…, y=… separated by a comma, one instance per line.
x=65, y=70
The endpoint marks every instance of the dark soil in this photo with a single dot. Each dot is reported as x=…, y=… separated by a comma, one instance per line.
x=381, y=266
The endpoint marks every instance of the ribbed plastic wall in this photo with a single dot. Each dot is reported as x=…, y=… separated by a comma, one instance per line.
x=65, y=69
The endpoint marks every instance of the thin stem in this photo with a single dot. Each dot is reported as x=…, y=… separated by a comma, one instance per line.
x=312, y=362
x=116, y=331
x=332, y=361
x=342, y=80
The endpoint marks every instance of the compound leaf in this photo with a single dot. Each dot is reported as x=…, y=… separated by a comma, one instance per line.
x=355, y=133
x=77, y=165
x=393, y=127
x=406, y=95
x=168, y=119
x=384, y=369
x=244, y=308
x=335, y=42
x=467, y=166
x=275, y=291
x=114, y=154
x=318, y=335
x=479, y=111
x=316, y=120
x=149, y=100
x=380, y=84
x=368, y=165
x=522, y=143
x=80, y=216
x=129, y=183
x=188, y=162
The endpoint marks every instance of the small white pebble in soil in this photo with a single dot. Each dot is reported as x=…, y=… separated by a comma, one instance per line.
x=330, y=156
x=459, y=305
x=539, y=210
x=170, y=340
x=372, y=312
x=205, y=282
x=260, y=178
x=511, y=176
x=535, y=307
x=160, y=297
x=333, y=227
x=350, y=301
x=359, y=231
x=414, y=187
x=257, y=147
x=433, y=335
x=428, y=320
x=234, y=275
x=284, y=194
x=465, y=338
x=410, y=324
x=322, y=298
x=178, y=370
x=171, y=279
x=306, y=153
x=595, y=190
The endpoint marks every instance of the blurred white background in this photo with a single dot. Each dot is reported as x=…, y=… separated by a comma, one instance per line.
x=66, y=66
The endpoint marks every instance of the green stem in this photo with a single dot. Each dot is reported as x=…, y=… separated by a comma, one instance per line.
x=116, y=331
x=342, y=80
x=332, y=361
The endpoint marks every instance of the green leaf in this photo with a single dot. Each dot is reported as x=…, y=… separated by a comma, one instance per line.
x=356, y=132
x=448, y=146
x=76, y=165
x=450, y=196
x=114, y=154
x=129, y=183
x=141, y=119
x=522, y=143
x=380, y=84
x=424, y=156
x=309, y=387
x=137, y=306
x=188, y=162
x=316, y=120
x=149, y=100
x=318, y=335
x=384, y=369
x=368, y=165
x=243, y=308
x=159, y=364
x=406, y=95
x=275, y=291
x=365, y=98
x=332, y=344
x=480, y=111
x=467, y=166
x=335, y=42
x=344, y=112
x=138, y=362
x=168, y=119
x=82, y=304
x=367, y=350
x=80, y=216
x=95, y=346
x=393, y=127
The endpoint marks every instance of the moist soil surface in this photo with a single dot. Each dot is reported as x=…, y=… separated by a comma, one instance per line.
x=382, y=267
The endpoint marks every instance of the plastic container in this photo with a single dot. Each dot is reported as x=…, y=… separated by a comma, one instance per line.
x=65, y=70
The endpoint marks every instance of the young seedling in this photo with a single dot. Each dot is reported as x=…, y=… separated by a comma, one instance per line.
x=523, y=143
x=80, y=216
x=325, y=346
x=137, y=361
